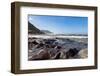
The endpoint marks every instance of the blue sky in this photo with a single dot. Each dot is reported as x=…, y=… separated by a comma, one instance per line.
x=60, y=24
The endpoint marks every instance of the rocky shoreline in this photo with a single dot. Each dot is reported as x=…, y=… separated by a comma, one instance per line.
x=57, y=48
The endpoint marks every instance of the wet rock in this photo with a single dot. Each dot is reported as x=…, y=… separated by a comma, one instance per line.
x=58, y=47
x=47, y=46
x=41, y=55
x=35, y=42
x=40, y=45
x=30, y=45
x=44, y=54
x=71, y=53
x=52, y=52
x=49, y=41
x=83, y=53
x=53, y=46
x=63, y=55
x=57, y=56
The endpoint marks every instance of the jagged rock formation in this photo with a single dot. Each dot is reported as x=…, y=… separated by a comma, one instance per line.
x=46, y=32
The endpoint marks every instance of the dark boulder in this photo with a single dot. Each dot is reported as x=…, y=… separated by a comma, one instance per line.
x=72, y=53
x=47, y=46
x=35, y=42
x=40, y=45
x=57, y=56
x=58, y=47
x=53, y=46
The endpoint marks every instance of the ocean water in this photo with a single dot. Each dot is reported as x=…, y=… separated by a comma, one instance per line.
x=54, y=36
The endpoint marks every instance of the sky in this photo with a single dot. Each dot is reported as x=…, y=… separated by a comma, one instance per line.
x=60, y=24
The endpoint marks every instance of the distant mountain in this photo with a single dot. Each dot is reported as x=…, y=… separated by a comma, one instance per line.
x=73, y=34
x=46, y=31
x=33, y=30
x=78, y=34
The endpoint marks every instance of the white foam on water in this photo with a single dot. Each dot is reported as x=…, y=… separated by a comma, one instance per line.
x=53, y=36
